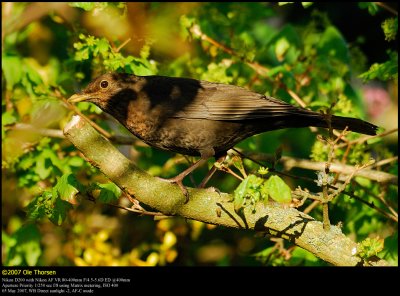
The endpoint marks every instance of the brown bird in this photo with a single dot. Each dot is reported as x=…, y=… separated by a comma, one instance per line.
x=199, y=118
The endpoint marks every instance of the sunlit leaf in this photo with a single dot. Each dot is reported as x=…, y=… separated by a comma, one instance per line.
x=59, y=212
x=383, y=71
x=109, y=192
x=68, y=187
x=12, y=69
x=278, y=189
x=370, y=247
x=390, y=28
x=333, y=45
x=88, y=6
x=27, y=249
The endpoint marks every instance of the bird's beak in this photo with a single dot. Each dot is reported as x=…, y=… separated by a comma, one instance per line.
x=79, y=98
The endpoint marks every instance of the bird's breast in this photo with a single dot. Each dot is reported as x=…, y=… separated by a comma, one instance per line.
x=190, y=137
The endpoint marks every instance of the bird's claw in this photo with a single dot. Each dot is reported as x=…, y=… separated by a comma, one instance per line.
x=178, y=181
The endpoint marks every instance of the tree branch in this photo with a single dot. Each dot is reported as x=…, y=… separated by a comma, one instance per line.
x=290, y=162
x=209, y=206
x=387, y=7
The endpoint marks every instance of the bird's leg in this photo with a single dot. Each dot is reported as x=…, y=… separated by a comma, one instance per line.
x=212, y=171
x=179, y=178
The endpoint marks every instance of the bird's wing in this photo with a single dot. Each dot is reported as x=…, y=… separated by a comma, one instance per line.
x=226, y=102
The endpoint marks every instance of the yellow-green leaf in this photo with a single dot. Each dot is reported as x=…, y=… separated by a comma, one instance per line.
x=278, y=190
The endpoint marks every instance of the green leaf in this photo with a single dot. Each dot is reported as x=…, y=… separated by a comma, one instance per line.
x=391, y=249
x=51, y=205
x=278, y=189
x=238, y=163
x=319, y=105
x=375, y=140
x=103, y=46
x=145, y=51
x=239, y=195
x=43, y=166
x=32, y=74
x=36, y=208
x=27, y=162
x=307, y=4
x=82, y=54
x=263, y=170
x=12, y=69
x=390, y=28
x=7, y=118
x=25, y=249
x=87, y=6
x=60, y=210
x=285, y=45
x=249, y=188
x=370, y=247
x=384, y=71
x=333, y=45
x=75, y=161
x=264, y=192
x=282, y=45
x=68, y=188
x=263, y=255
x=109, y=192
x=371, y=6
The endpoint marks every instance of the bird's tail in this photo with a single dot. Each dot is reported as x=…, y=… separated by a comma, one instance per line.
x=353, y=124
x=302, y=118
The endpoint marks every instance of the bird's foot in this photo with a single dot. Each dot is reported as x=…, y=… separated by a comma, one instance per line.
x=178, y=181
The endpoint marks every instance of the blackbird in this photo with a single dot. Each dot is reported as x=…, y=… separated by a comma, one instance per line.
x=199, y=118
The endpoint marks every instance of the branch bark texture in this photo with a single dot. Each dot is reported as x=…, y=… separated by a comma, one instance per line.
x=209, y=206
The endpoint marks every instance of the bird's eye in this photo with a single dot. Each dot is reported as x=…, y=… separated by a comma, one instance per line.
x=104, y=84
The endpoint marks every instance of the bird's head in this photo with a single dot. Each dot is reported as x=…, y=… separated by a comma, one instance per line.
x=106, y=87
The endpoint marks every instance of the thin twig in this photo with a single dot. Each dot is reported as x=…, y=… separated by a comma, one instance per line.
x=142, y=212
x=366, y=138
x=291, y=162
x=379, y=197
x=382, y=195
x=262, y=70
x=229, y=171
x=325, y=179
x=388, y=8
x=316, y=198
x=311, y=206
x=385, y=161
x=54, y=133
x=72, y=107
x=296, y=98
x=9, y=104
x=122, y=45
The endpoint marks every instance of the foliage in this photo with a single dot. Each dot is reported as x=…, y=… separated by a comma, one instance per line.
x=387, y=70
x=383, y=71
x=68, y=217
x=370, y=247
x=100, y=52
x=23, y=246
x=256, y=189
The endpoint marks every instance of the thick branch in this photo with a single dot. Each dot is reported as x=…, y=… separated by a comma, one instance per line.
x=209, y=206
